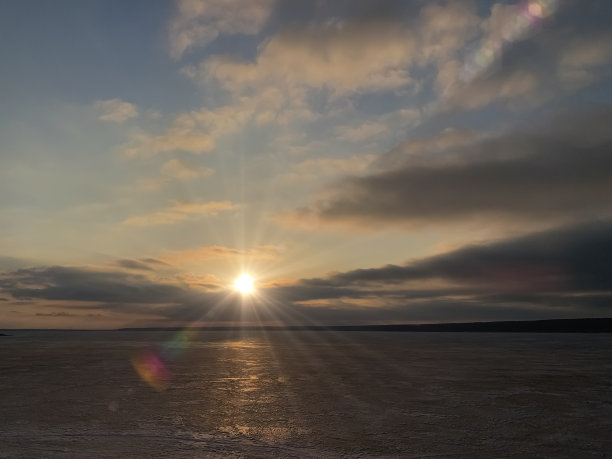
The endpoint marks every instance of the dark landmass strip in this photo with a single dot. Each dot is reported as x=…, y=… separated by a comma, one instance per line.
x=591, y=325
x=600, y=325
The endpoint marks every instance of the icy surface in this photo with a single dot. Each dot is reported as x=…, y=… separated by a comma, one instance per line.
x=308, y=394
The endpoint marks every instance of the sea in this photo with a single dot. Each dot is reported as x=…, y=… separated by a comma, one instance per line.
x=304, y=393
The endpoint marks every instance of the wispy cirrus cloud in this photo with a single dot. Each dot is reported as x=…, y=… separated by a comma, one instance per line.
x=184, y=135
x=171, y=170
x=216, y=252
x=315, y=170
x=180, y=211
x=383, y=126
x=199, y=22
x=585, y=58
x=183, y=170
x=115, y=110
x=135, y=265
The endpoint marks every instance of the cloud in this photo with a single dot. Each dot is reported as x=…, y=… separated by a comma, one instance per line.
x=119, y=292
x=115, y=110
x=593, y=51
x=557, y=170
x=581, y=61
x=445, y=27
x=343, y=56
x=517, y=86
x=144, y=185
x=308, y=71
x=183, y=170
x=563, y=271
x=173, y=169
x=142, y=298
x=85, y=285
x=215, y=252
x=314, y=170
x=298, y=66
x=199, y=22
x=180, y=211
x=55, y=314
x=154, y=262
x=440, y=149
x=574, y=259
x=184, y=135
x=522, y=59
x=363, y=132
x=392, y=123
x=11, y=263
x=133, y=265
x=350, y=55
x=317, y=62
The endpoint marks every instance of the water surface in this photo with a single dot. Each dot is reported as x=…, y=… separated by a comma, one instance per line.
x=307, y=394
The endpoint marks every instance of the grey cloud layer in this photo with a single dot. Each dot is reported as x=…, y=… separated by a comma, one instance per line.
x=561, y=170
x=573, y=259
x=566, y=271
x=78, y=284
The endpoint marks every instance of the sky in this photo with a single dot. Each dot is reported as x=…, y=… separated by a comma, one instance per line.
x=365, y=162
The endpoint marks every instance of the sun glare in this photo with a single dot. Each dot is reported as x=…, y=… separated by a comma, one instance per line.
x=244, y=284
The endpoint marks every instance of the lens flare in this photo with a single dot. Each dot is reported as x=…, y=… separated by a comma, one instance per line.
x=535, y=9
x=527, y=18
x=151, y=369
x=153, y=366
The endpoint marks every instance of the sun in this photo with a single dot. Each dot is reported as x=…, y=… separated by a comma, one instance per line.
x=244, y=284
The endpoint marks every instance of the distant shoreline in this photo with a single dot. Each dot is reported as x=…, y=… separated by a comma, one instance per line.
x=591, y=325
x=602, y=325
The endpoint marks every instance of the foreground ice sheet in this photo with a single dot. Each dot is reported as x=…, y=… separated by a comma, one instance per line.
x=308, y=394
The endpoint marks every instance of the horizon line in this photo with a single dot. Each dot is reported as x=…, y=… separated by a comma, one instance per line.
x=565, y=325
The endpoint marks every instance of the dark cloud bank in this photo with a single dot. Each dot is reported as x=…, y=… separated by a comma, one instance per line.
x=564, y=272
x=561, y=169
